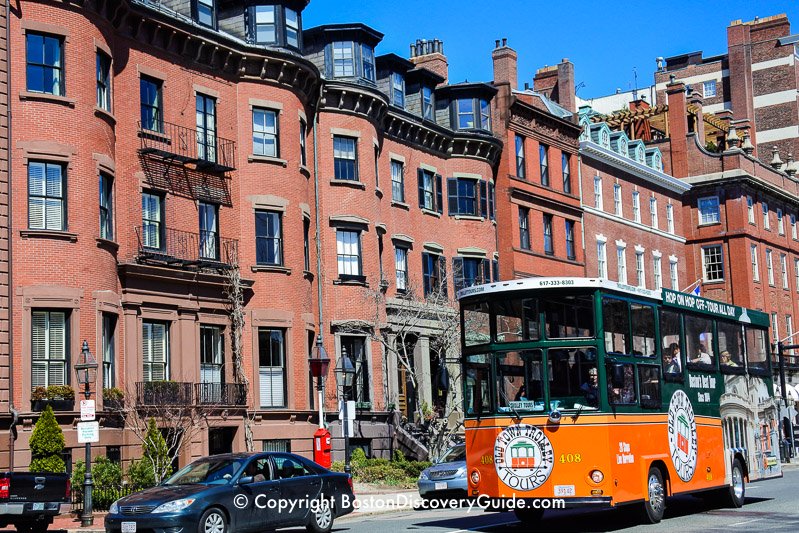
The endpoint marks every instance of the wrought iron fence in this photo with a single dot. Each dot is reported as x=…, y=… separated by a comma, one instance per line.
x=184, y=248
x=203, y=148
x=163, y=393
x=233, y=394
x=102, y=497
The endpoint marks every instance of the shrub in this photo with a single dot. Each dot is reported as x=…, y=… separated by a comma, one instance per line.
x=60, y=392
x=337, y=466
x=113, y=394
x=105, y=473
x=140, y=474
x=38, y=394
x=358, y=458
x=47, y=444
x=156, y=452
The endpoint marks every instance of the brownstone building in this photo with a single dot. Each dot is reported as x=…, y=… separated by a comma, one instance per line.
x=160, y=147
x=538, y=191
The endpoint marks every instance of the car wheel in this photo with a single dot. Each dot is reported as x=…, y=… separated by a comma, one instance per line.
x=213, y=521
x=735, y=494
x=321, y=520
x=529, y=515
x=655, y=505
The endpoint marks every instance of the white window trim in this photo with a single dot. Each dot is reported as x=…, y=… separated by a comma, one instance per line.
x=699, y=210
x=753, y=255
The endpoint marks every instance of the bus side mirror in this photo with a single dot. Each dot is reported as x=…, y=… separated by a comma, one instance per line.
x=617, y=376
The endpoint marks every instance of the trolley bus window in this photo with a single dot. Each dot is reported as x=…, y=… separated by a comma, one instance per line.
x=476, y=324
x=621, y=383
x=517, y=320
x=617, y=325
x=699, y=343
x=512, y=391
x=756, y=351
x=730, y=337
x=477, y=390
x=568, y=317
x=673, y=362
x=643, y=322
x=569, y=369
x=649, y=379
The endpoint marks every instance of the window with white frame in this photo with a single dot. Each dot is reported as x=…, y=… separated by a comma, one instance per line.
x=520, y=162
x=292, y=27
x=368, y=62
x=397, y=181
x=268, y=238
x=653, y=211
x=766, y=222
x=303, y=133
x=788, y=326
x=345, y=158
x=712, y=263
x=769, y=267
x=636, y=206
x=670, y=218
x=271, y=367
x=780, y=224
x=427, y=103
x=343, y=59
x=401, y=268
x=103, y=81
x=549, y=246
x=46, y=196
x=674, y=274
x=755, y=263
x=49, y=348
x=348, y=252
x=621, y=263
x=750, y=209
x=796, y=273
x=784, y=267
x=639, y=268
x=543, y=160
x=602, y=259
x=565, y=164
x=617, y=200
x=598, y=192
x=709, y=88
x=264, y=132
x=524, y=228
x=206, y=13
x=155, y=351
x=211, y=361
x=656, y=272
x=106, y=207
x=775, y=329
x=44, y=63
x=793, y=226
x=264, y=27
x=709, y=210
x=398, y=89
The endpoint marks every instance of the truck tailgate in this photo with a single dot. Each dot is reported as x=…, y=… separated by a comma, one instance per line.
x=34, y=488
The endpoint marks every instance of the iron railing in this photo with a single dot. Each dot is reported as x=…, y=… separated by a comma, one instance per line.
x=229, y=394
x=163, y=393
x=204, y=149
x=102, y=497
x=183, y=248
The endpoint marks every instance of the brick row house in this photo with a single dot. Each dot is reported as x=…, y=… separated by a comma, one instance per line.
x=158, y=147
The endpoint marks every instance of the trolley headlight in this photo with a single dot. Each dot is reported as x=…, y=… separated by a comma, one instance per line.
x=475, y=477
x=597, y=476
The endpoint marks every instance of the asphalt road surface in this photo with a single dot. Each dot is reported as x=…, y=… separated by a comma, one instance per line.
x=770, y=506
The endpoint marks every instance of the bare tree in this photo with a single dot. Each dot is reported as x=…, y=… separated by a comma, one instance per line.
x=396, y=323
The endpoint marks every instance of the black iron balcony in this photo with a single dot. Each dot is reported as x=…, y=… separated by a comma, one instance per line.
x=201, y=148
x=223, y=394
x=163, y=393
x=160, y=245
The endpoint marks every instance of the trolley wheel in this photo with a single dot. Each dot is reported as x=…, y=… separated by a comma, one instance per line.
x=735, y=494
x=655, y=504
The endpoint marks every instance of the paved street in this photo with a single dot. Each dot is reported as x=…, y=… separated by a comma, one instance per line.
x=770, y=506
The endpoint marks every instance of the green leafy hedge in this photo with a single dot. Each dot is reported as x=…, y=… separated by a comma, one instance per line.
x=397, y=472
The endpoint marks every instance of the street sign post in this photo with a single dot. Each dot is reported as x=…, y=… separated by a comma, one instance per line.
x=87, y=410
x=88, y=432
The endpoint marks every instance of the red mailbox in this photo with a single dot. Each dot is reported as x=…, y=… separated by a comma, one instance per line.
x=322, y=447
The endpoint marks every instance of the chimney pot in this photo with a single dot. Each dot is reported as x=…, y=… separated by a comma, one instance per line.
x=564, y=60
x=672, y=78
x=526, y=86
x=504, y=41
x=497, y=43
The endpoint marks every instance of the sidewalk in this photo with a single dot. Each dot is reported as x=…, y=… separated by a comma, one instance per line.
x=71, y=524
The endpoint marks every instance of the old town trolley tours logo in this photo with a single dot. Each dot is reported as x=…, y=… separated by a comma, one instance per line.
x=523, y=457
x=682, y=435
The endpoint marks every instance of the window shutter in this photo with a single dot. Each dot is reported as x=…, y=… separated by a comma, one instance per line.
x=452, y=195
x=442, y=264
x=486, y=274
x=439, y=194
x=159, y=352
x=420, y=178
x=457, y=272
x=38, y=349
x=491, y=206
x=495, y=265
x=483, y=199
x=425, y=272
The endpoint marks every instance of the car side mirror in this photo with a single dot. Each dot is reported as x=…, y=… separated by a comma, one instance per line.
x=245, y=480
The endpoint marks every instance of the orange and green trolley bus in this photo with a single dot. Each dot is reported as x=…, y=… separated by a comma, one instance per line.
x=599, y=394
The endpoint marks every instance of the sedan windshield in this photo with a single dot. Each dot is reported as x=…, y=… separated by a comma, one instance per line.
x=217, y=472
x=457, y=453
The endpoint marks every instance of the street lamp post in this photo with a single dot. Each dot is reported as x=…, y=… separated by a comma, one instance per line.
x=86, y=372
x=319, y=364
x=346, y=374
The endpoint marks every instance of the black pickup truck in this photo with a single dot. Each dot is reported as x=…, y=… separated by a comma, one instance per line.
x=31, y=501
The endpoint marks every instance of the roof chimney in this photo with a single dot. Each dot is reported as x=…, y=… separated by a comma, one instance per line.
x=505, y=65
x=430, y=55
x=557, y=83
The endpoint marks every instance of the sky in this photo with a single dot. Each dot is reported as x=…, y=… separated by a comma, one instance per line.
x=606, y=40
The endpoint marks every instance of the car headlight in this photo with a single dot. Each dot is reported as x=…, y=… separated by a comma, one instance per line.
x=114, y=509
x=423, y=475
x=174, y=506
x=461, y=472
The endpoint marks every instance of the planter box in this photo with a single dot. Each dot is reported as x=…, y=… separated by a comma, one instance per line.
x=37, y=406
x=113, y=404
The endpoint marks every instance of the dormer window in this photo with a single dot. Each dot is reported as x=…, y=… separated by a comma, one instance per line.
x=292, y=28
x=265, y=27
x=473, y=113
x=206, y=12
x=343, y=62
x=427, y=103
x=398, y=90
x=368, y=59
x=605, y=139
